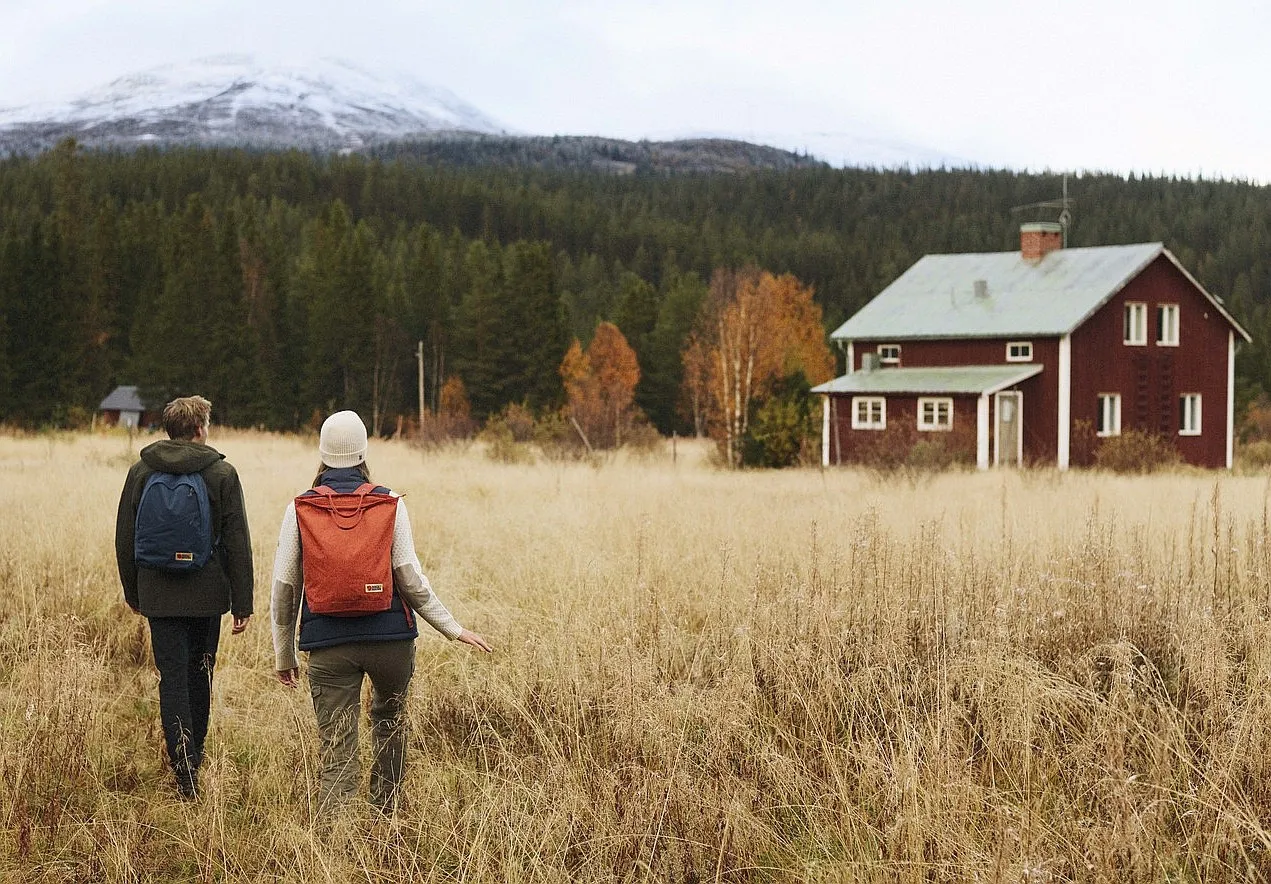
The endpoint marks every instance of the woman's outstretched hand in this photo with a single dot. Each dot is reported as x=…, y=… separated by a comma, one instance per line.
x=471, y=638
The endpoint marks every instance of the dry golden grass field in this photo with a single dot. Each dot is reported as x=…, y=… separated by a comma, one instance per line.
x=699, y=676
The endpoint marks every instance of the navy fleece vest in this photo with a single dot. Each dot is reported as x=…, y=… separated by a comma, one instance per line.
x=321, y=631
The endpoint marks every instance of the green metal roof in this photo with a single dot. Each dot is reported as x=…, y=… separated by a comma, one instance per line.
x=961, y=379
x=123, y=399
x=999, y=294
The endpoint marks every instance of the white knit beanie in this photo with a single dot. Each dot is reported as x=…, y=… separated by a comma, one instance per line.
x=342, y=442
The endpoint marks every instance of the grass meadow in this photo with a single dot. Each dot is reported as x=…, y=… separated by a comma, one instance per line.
x=699, y=676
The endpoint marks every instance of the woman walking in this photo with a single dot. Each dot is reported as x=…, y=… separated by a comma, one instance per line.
x=343, y=642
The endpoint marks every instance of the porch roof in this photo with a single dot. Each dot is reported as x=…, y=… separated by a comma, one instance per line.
x=948, y=380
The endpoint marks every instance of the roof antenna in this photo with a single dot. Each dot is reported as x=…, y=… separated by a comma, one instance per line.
x=1064, y=204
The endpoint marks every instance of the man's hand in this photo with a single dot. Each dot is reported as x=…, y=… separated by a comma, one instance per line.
x=471, y=638
x=289, y=678
x=240, y=623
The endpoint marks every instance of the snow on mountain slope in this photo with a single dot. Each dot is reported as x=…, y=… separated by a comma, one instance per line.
x=331, y=105
x=234, y=100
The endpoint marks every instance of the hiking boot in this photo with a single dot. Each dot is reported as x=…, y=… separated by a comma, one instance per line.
x=187, y=784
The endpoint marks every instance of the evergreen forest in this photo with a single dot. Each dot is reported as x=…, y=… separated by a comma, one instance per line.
x=284, y=286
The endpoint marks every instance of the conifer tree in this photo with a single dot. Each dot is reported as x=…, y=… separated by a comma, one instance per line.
x=533, y=327
x=662, y=366
x=427, y=314
x=326, y=267
x=174, y=352
x=233, y=372
x=8, y=294
x=637, y=311
x=45, y=343
x=479, y=346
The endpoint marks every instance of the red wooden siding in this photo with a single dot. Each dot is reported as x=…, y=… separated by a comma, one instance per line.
x=1150, y=378
x=1041, y=392
x=852, y=446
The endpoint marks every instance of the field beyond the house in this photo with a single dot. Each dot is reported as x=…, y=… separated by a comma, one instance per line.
x=699, y=676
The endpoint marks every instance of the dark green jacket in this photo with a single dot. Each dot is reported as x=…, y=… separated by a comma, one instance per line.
x=225, y=583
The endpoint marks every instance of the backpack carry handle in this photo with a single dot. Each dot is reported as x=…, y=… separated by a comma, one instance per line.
x=345, y=519
x=355, y=512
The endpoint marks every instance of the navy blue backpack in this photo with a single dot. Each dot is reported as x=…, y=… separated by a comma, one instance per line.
x=174, y=523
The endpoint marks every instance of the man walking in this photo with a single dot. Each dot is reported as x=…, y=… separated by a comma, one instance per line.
x=185, y=558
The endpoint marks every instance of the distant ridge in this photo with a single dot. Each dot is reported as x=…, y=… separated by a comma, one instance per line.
x=612, y=155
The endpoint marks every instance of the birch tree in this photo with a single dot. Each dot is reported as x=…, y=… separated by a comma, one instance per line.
x=754, y=329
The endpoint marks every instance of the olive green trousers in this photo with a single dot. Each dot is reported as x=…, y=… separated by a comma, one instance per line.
x=335, y=680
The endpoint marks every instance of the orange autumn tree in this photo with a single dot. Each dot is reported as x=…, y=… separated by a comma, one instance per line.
x=755, y=329
x=452, y=419
x=454, y=399
x=600, y=384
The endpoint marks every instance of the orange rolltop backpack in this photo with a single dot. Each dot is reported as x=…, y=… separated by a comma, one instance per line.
x=346, y=546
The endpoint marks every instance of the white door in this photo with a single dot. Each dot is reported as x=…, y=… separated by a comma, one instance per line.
x=1008, y=441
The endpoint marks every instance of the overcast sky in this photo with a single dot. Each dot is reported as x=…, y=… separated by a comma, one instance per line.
x=1077, y=85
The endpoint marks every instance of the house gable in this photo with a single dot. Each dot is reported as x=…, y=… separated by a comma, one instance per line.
x=1153, y=376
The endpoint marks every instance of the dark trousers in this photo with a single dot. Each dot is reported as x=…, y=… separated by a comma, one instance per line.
x=335, y=679
x=185, y=654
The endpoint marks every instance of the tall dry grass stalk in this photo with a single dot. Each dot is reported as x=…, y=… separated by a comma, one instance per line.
x=700, y=676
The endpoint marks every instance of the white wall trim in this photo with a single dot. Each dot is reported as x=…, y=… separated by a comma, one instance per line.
x=1231, y=398
x=825, y=430
x=1019, y=428
x=851, y=358
x=982, y=432
x=1065, y=401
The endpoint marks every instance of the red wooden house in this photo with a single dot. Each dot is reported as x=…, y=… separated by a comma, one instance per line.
x=1033, y=356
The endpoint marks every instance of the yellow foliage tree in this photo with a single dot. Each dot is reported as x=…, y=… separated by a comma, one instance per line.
x=754, y=329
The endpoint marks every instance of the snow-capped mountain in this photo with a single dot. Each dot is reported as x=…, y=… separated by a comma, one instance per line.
x=234, y=100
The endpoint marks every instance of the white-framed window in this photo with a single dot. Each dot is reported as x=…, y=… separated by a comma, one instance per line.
x=889, y=354
x=869, y=413
x=935, y=413
x=1135, y=323
x=1189, y=414
x=1019, y=351
x=1108, y=419
x=1167, y=325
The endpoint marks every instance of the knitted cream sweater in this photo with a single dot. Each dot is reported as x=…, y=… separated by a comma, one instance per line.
x=408, y=580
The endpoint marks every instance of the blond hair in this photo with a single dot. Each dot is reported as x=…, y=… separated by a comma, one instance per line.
x=183, y=417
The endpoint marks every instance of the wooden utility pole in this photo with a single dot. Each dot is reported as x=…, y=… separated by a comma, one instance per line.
x=419, y=358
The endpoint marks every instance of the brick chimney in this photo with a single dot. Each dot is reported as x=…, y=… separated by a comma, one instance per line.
x=1037, y=239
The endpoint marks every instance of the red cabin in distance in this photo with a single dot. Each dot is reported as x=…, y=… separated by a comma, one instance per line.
x=1032, y=357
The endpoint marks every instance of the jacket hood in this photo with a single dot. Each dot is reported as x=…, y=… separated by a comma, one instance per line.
x=179, y=456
